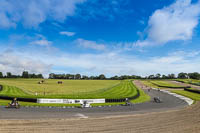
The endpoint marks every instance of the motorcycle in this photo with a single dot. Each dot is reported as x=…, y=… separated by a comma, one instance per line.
x=16, y=105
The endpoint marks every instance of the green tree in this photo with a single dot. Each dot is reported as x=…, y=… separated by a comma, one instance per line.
x=1, y=75
x=102, y=76
x=158, y=76
x=194, y=75
x=77, y=76
x=25, y=74
x=9, y=75
x=51, y=76
x=40, y=76
x=182, y=75
x=151, y=77
x=85, y=77
x=171, y=76
x=164, y=76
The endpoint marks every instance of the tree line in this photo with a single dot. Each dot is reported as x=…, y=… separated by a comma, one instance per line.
x=99, y=77
x=182, y=75
x=24, y=74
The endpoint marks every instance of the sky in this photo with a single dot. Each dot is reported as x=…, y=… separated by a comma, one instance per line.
x=92, y=37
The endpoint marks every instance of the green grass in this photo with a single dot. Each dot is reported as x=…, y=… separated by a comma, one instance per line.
x=13, y=92
x=70, y=89
x=148, y=83
x=193, y=89
x=114, y=90
x=123, y=89
x=193, y=96
x=166, y=84
x=142, y=98
x=190, y=81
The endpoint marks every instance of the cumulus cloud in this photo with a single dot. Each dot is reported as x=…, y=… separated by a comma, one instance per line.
x=38, y=39
x=33, y=12
x=42, y=42
x=175, y=22
x=110, y=63
x=67, y=33
x=90, y=44
x=16, y=63
x=113, y=63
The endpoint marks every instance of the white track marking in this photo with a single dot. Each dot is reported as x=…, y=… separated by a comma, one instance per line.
x=186, y=99
x=81, y=115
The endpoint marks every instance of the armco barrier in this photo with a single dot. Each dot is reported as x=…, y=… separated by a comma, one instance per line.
x=123, y=100
x=1, y=87
x=19, y=99
x=191, y=90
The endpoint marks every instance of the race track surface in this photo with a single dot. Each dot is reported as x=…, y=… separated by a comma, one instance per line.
x=168, y=102
x=171, y=116
x=185, y=120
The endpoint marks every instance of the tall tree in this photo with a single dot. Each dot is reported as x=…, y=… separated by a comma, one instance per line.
x=9, y=75
x=40, y=76
x=171, y=76
x=151, y=77
x=85, y=77
x=77, y=76
x=1, y=75
x=194, y=75
x=25, y=74
x=182, y=75
x=158, y=75
x=51, y=76
x=102, y=76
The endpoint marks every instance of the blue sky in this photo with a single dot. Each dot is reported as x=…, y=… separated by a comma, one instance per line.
x=91, y=37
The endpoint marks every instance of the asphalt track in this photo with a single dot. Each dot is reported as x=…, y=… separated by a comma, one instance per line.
x=169, y=102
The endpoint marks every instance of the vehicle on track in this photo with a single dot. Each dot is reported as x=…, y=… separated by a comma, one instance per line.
x=85, y=104
x=157, y=99
x=13, y=104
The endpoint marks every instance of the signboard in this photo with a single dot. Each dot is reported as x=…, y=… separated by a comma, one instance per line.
x=71, y=101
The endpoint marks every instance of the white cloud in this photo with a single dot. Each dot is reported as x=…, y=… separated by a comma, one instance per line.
x=117, y=64
x=33, y=12
x=42, y=42
x=176, y=22
x=17, y=62
x=109, y=63
x=67, y=33
x=90, y=44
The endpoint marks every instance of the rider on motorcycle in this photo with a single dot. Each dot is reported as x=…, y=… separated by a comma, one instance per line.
x=14, y=102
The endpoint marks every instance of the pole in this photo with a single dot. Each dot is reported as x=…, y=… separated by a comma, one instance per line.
x=44, y=91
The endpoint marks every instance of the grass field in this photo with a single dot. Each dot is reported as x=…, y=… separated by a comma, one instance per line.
x=166, y=84
x=148, y=83
x=193, y=96
x=190, y=81
x=69, y=88
x=142, y=98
